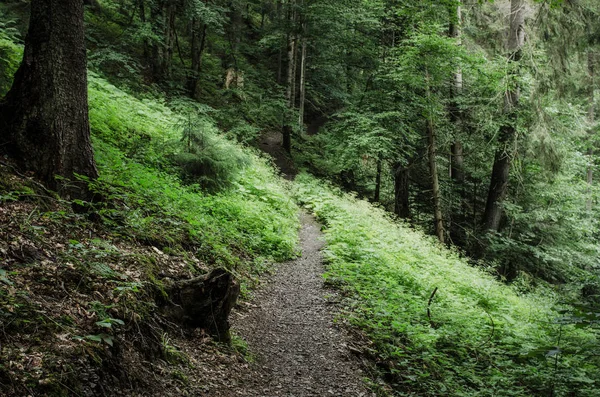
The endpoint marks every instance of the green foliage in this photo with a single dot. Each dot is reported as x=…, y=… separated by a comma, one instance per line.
x=133, y=138
x=480, y=338
x=11, y=54
x=205, y=158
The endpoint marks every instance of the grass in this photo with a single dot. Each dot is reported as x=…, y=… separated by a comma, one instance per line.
x=480, y=338
x=254, y=217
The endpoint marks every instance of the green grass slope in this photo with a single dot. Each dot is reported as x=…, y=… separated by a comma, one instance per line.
x=253, y=216
x=474, y=337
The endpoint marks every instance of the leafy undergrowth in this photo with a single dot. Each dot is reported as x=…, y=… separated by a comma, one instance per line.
x=79, y=291
x=440, y=327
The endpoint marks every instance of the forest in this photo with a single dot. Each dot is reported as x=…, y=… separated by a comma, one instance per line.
x=299, y=198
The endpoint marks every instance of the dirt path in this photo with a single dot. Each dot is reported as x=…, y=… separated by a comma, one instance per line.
x=270, y=143
x=290, y=328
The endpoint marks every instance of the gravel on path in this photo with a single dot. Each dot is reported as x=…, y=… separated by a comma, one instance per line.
x=290, y=328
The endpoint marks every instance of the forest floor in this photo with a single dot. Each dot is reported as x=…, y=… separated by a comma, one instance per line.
x=288, y=341
x=290, y=326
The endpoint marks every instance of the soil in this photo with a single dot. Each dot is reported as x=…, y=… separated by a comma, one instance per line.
x=271, y=143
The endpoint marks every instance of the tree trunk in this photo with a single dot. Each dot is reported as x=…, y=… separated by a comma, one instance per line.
x=157, y=17
x=435, y=184
x=591, y=119
x=376, y=196
x=456, y=170
x=290, y=95
x=432, y=156
x=294, y=73
x=204, y=302
x=170, y=38
x=302, y=81
x=44, y=119
x=401, y=191
x=281, y=45
x=508, y=132
x=457, y=174
x=235, y=33
x=197, y=50
x=290, y=58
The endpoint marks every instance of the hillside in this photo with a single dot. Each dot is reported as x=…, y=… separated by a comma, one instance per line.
x=299, y=198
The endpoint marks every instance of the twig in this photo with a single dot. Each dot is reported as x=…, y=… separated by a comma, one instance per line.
x=429, y=305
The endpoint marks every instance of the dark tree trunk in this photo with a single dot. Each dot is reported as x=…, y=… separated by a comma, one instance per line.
x=170, y=40
x=376, y=196
x=499, y=181
x=281, y=45
x=508, y=132
x=302, y=88
x=145, y=45
x=157, y=49
x=435, y=184
x=287, y=138
x=401, y=191
x=44, y=120
x=458, y=218
x=234, y=34
x=197, y=49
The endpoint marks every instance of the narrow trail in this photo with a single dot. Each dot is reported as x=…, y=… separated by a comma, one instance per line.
x=290, y=329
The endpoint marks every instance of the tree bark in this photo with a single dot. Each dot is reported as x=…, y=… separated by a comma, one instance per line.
x=435, y=184
x=197, y=50
x=508, y=132
x=170, y=38
x=302, y=98
x=290, y=94
x=157, y=50
x=401, y=191
x=234, y=34
x=457, y=160
x=44, y=120
x=457, y=174
x=281, y=45
x=204, y=302
x=376, y=196
x=432, y=156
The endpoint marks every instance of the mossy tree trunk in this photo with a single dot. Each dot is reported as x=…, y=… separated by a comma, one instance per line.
x=44, y=122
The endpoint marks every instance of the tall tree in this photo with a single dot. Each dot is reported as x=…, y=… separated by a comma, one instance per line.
x=44, y=119
x=290, y=94
x=432, y=155
x=508, y=131
x=457, y=173
x=591, y=119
